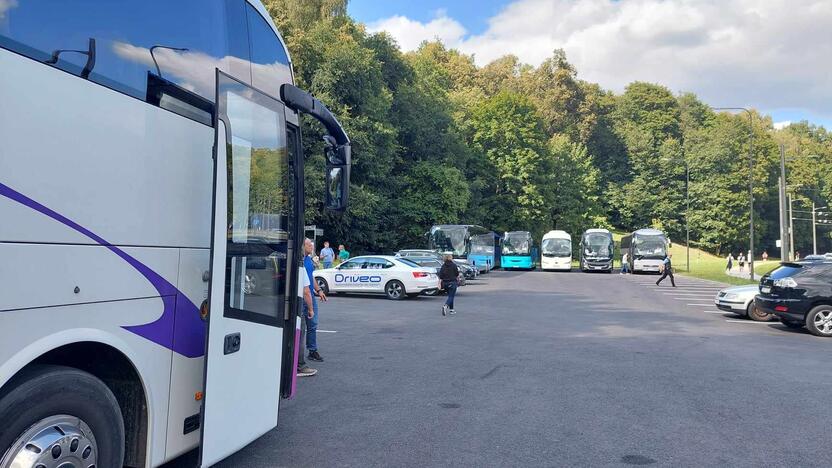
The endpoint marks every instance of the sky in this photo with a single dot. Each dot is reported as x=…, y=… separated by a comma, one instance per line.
x=770, y=55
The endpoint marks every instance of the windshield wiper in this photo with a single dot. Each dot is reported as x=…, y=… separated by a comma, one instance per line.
x=90, y=53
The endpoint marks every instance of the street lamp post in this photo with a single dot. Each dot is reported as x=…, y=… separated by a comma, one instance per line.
x=750, y=180
x=687, y=207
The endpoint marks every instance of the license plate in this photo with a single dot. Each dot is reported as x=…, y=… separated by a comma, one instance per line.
x=765, y=289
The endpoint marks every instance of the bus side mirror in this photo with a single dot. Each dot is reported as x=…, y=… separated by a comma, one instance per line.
x=338, y=159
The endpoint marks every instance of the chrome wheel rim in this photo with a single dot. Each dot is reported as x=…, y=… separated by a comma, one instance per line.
x=60, y=441
x=823, y=322
x=394, y=290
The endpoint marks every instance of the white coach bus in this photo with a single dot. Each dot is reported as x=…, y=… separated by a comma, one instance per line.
x=151, y=208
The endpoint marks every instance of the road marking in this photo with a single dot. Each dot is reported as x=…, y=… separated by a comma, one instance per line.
x=746, y=321
x=327, y=331
x=700, y=305
x=715, y=312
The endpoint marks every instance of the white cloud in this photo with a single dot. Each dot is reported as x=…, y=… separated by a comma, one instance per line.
x=782, y=125
x=6, y=5
x=410, y=33
x=768, y=54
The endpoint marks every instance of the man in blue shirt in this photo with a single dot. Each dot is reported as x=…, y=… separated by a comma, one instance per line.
x=312, y=323
x=327, y=255
x=667, y=271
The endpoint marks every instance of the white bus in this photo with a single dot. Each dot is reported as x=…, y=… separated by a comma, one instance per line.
x=556, y=251
x=646, y=249
x=151, y=208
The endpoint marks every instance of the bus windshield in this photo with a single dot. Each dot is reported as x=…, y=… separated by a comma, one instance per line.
x=449, y=239
x=482, y=244
x=517, y=243
x=649, y=246
x=598, y=244
x=557, y=248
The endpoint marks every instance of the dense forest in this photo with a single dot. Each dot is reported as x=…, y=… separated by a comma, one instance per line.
x=437, y=139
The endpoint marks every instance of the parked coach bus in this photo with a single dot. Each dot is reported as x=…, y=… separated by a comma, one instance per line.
x=597, y=250
x=151, y=198
x=517, y=250
x=480, y=246
x=646, y=249
x=556, y=251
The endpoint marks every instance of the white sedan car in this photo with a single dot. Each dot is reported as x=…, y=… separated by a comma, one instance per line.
x=740, y=300
x=383, y=274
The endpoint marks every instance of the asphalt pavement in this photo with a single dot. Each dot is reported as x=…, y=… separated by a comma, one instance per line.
x=554, y=369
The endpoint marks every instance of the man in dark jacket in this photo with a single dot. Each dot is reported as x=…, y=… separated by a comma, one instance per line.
x=449, y=275
x=667, y=271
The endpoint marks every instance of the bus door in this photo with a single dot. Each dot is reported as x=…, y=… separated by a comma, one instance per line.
x=249, y=271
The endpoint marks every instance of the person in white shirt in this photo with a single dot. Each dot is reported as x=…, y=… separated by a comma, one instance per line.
x=306, y=294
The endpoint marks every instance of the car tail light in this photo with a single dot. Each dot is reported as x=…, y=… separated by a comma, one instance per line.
x=781, y=308
x=420, y=274
x=787, y=282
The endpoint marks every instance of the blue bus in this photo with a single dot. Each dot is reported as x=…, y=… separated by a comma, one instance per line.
x=480, y=246
x=518, y=250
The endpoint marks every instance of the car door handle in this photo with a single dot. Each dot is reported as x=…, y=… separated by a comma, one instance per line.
x=232, y=343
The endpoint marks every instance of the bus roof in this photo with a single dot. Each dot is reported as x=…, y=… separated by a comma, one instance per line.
x=557, y=234
x=597, y=231
x=649, y=232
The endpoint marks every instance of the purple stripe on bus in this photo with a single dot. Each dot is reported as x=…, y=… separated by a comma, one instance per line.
x=186, y=336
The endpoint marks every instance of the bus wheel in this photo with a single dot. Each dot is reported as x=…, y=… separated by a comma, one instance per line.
x=60, y=416
x=394, y=290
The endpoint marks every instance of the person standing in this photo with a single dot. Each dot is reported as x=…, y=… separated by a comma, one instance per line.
x=797, y=256
x=667, y=270
x=765, y=255
x=741, y=261
x=327, y=255
x=316, y=292
x=449, y=276
x=343, y=255
x=625, y=263
x=730, y=265
x=306, y=294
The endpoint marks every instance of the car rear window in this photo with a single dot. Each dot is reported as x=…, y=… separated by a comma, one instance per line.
x=409, y=262
x=785, y=271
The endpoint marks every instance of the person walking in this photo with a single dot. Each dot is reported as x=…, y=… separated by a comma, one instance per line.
x=741, y=261
x=343, y=255
x=765, y=255
x=327, y=255
x=730, y=265
x=667, y=270
x=625, y=263
x=316, y=292
x=308, y=308
x=449, y=276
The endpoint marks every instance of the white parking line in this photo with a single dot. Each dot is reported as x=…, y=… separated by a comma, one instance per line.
x=699, y=305
x=715, y=312
x=327, y=331
x=747, y=321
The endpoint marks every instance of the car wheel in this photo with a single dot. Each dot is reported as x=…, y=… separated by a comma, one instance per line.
x=819, y=321
x=395, y=290
x=790, y=324
x=60, y=416
x=322, y=284
x=754, y=313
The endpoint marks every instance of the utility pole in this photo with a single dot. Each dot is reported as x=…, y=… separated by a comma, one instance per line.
x=687, y=213
x=784, y=229
x=791, y=230
x=814, y=231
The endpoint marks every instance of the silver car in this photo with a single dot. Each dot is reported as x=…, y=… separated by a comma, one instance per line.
x=740, y=300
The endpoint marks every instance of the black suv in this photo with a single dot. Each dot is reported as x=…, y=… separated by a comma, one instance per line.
x=799, y=294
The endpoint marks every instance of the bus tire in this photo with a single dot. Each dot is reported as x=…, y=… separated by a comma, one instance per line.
x=69, y=414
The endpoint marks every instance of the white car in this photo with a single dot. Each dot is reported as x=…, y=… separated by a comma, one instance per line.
x=740, y=300
x=383, y=274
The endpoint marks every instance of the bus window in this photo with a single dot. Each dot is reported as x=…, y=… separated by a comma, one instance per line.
x=269, y=62
x=133, y=41
x=258, y=208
